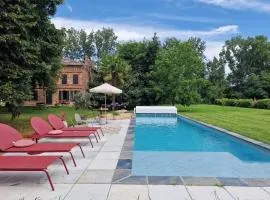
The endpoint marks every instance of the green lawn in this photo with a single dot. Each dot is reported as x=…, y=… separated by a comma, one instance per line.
x=23, y=122
x=253, y=123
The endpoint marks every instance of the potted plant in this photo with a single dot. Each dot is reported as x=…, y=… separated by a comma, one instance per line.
x=102, y=119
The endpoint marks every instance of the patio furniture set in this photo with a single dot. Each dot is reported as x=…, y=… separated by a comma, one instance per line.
x=11, y=141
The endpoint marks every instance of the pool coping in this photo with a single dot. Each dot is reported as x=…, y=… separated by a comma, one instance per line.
x=123, y=172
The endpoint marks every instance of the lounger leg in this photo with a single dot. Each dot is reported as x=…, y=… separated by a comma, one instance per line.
x=64, y=163
x=49, y=178
x=81, y=150
x=98, y=135
x=95, y=137
x=90, y=141
x=73, y=159
x=101, y=131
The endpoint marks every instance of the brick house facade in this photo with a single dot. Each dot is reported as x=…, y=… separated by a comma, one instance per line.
x=73, y=78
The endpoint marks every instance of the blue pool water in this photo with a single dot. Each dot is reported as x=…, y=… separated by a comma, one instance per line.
x=176, y=146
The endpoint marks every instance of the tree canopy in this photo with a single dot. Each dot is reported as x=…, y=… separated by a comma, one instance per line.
x=150, y=72
x=249, y=62
x=30, y=49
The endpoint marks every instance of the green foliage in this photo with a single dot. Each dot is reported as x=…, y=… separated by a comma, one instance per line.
x=30, y=52
x=263, y=103
x=179, y=73
x=79, y=44
x=249, y=62
x=215, y=84
x=114, y=70
x=84, y=101
x=22, y=123
x=141, y=56
x=105, y=42
x=245, y=103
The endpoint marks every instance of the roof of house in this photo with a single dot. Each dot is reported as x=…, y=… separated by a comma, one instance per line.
x=68, y=61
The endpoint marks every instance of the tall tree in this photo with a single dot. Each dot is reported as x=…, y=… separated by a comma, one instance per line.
x=30, y=49
x=141, y=56
x=216, y=85
x=114, y=70
x=199, y=45
x=179, y=72
x=249, y=61
x=105, y=42
x=78, y=44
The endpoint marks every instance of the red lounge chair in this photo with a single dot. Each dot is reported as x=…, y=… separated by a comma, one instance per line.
x=8, y=135
x=30, y=163
x=42, y=129
x=57, y=123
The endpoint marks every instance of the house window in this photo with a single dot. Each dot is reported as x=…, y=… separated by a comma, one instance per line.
x=64, y=79
x=35, y=95
x=75, y=79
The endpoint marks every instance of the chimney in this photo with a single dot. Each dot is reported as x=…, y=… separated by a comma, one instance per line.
x=87, y=61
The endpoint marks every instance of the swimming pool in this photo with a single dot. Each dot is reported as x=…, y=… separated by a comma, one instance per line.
x=176, y=146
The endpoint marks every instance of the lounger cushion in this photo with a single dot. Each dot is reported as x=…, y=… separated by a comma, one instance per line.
x=23, y=143
x=55, y=132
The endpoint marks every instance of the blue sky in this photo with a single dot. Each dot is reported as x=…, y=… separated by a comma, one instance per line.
x=213, y=20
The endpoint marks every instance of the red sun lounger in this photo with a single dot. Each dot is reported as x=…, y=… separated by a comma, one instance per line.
x=30, y=163
x=57, y=123
x=9, y=135
x=42, y=129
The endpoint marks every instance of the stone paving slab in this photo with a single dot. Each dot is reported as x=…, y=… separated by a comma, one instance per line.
x=96, y=176
x=124, y=164
x=126, y=155
x=209, y=193
x=248, y=193
x=164, y=180
x=162, y=192
x=120, y=174
x=103, y=164
x=89, y=192
x=128, y=192
x=201, y=181
x=257, y=182
x=232, y=182
x=133, y=180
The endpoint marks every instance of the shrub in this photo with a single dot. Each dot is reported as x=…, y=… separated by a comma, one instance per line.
x=84, y=101
x=221, y=102
x=264, y=104
x=40, y=106
x=245, y=103
x=231, y=102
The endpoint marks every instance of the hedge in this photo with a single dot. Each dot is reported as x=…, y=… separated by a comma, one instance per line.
x=245, y=103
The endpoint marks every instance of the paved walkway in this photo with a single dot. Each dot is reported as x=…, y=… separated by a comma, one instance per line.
x=92, y=179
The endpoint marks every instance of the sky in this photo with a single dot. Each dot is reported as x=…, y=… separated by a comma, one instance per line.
x=215, y=21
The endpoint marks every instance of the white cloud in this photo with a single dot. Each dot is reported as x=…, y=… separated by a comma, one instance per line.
x=69, y=7
x=256, y=5
x=183, y=18
x=213, y=49
x=127, y=32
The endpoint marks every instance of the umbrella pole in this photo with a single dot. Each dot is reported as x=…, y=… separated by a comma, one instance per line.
x=105, y=109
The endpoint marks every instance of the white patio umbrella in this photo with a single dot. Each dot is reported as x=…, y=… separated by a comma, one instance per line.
x=106, y=89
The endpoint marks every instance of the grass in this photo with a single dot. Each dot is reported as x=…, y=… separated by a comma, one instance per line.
x=252, y=123
x=22, y=124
